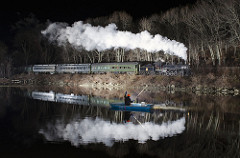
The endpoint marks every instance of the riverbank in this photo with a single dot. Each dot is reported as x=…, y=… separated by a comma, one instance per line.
x=199, y=84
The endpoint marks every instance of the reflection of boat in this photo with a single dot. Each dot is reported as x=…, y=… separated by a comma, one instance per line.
x=133, y=107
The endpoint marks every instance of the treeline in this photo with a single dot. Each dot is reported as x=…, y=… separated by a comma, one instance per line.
x=210, y=29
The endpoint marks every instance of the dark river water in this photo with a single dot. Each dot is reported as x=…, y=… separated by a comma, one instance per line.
x=38, y=122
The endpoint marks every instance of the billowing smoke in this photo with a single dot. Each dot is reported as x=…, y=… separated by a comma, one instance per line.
x=95, y=131
x=100, y=38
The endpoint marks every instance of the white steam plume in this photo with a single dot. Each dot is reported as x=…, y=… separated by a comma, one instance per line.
x=103, y=38
x=95, y=131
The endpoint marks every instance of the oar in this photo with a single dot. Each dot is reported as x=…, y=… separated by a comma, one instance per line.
x=141, y=92
x=138, y=122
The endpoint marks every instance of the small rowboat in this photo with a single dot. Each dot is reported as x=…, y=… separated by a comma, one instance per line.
x=133, y=107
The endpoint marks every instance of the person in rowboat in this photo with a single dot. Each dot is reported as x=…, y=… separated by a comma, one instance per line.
x=127, y=99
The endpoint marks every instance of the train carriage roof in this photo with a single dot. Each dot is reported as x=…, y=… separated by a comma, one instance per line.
x=87, y=64
x=45, y=65
x=122, y=63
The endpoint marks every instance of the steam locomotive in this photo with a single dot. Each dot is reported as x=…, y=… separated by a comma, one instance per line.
x=138, y=68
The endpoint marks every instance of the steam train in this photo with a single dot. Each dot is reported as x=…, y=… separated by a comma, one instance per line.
x=138, y=68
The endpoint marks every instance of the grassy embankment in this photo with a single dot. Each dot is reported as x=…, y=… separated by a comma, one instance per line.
x=202, y=81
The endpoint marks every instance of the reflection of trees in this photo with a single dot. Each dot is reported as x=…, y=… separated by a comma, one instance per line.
x=211, y=145
x=5, y=100
x=215, y=122
x=119, y=150
x=218, y=135
x=19, y=120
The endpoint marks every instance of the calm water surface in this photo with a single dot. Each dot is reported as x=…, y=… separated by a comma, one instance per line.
x=36, y=122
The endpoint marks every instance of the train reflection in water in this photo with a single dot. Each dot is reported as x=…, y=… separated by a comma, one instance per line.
x=72, y=98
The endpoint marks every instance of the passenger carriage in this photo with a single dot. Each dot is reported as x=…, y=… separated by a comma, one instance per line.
x=124, y=67
x=44, y=68
x=73, y=68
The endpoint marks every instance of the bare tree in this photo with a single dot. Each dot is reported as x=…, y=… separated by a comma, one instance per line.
x=27, y=40
x=125, y=20
x=3, y=51
x=120, y=54
x=48, y=52
x=24, y=47
x=145, y=24
x=231, y=16
x=3, y=59
x=99, y=56
x=230, y=10
x=122, y=20
x=200, y=29
x=102, y=21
